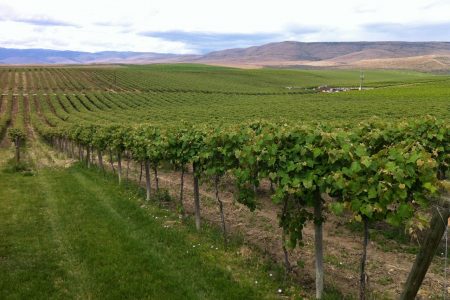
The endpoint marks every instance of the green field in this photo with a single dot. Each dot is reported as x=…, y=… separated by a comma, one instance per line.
x=83, y=236
x=72, y=233
x=201, y=77
x=194, y=94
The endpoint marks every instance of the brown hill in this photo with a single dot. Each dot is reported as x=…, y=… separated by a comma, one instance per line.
x=404, y=55
x=425, y=56
x=422, y=63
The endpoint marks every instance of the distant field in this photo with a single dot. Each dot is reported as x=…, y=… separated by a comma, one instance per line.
x=263, y=80
x=196, y=93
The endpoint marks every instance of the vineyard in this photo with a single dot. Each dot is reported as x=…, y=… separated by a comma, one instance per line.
x=240, y=150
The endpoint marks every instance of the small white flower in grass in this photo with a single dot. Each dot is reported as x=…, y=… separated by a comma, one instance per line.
x=270, y=274
x=256, y=281
x=280, y=291
x=217, y=248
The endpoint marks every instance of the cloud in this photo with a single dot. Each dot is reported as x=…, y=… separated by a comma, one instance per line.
x=89, y=39
x=7, y=13
x=409, y=32
x=41, y=21
x=113, y=24
x=365, y=9
x=210, y=41
x=200, y=26
x=433, y=4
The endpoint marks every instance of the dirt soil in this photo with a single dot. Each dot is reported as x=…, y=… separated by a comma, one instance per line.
x=387, y=269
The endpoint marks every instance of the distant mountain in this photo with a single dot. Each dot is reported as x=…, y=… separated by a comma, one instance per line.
x=425, y=56
x=295, y=51
x=402, y=55
x=44, y=56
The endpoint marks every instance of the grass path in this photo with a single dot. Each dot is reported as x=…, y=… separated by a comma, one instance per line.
x=71, y=233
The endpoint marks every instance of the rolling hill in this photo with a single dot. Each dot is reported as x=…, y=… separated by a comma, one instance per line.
x=398, y=55
x=424, y=56
x=45, y=56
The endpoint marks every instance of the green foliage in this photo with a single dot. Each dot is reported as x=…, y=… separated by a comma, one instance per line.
x=376, y=169
x=5, y=117
x=162, y=195
x=17, y=136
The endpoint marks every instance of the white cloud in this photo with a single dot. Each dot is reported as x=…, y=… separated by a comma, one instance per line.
x=117, y=25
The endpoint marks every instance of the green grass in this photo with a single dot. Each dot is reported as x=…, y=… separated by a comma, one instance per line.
x=71, y=233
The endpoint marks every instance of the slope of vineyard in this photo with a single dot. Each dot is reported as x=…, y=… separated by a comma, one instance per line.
x=197, y=94
x=378, y=154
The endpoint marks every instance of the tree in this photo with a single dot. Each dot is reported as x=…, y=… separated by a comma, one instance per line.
x=178, y=155
x=216, y=158
x=194, y=139
x=18, y=137
x=117, y=136
x=100, y=142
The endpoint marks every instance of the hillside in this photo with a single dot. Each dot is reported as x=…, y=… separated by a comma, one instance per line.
x=398, y=55
x=293, y=51
x=45, y=56
x=423, y=56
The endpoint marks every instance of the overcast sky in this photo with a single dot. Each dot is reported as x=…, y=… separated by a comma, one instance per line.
x=199, y=26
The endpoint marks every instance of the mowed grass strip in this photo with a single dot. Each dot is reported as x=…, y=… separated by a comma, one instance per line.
x=72, y=233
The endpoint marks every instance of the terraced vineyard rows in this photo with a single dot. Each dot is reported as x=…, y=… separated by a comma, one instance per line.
x=377, y=170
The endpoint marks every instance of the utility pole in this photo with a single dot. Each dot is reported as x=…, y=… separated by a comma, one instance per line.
x=361, y=79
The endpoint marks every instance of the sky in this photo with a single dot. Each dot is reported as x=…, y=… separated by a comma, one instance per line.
x=200, y=26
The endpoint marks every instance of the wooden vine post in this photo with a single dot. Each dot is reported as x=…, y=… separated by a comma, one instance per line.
x=426, y=253
x=148, y=187
x=318, y=245
x=195, y=139
x=196, y=197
